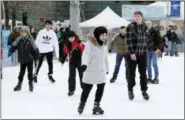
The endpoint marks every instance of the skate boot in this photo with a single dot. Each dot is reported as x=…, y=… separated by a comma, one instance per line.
x=70, y=93
x=155, y=80
x=166, y=54
x=149, y=80
x=145, y=95
x=51, y=78
x=130, y=95
x=35, y=78
x=81, y=108
x=176, y=55
x=113, y=79
x=31, y=86
x=97, y=110
x=18, y=87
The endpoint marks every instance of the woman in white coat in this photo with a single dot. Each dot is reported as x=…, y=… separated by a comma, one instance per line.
x=95, y=67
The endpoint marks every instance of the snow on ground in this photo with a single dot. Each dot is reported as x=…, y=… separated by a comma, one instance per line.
x=50, y=101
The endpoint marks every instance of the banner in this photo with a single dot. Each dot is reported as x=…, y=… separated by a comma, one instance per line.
x=149, y=12
x=6, y=61
x=175, y=9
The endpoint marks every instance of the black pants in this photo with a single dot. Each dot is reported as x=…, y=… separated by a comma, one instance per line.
x=72, y=76
x=142, y=64
x=86, y=90
x=23, y=67
x=49, y=57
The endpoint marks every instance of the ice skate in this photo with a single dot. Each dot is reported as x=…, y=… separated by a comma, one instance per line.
x=145, y=95
x=97, y=110
x=70, y=93
x=81, y=108
x=18, y=87
x=35, y=78
x=131, y=95
x=51, y=78
x=155, y=81
x=30, y=86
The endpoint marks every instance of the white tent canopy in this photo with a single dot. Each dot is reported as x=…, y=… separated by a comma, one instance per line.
x=107, y=18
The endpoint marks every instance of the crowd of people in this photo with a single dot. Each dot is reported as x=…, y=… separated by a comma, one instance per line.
x=139, y=43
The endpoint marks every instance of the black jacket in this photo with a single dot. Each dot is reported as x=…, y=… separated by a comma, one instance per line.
x=137, y=38
x=34, y=35
x=155, y=37
x=174, y=37
x=27, y=50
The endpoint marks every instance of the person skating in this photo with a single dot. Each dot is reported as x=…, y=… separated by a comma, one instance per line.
x=137, y=42
x=174, y=39
x=48, y=44
x=95, y=67
x=27, y=52
x=34, y=35
x=168, y=35
x=74, y=50
x=119, y=41
x=155, y=37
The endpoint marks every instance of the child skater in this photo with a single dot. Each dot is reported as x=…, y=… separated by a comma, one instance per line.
x=95, y=67
x=73, y=47
x=27, y=52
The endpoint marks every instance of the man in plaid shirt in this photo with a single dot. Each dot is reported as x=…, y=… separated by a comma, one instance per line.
x=138, y=44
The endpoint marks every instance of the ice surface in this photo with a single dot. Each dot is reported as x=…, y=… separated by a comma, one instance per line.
x=50, y=101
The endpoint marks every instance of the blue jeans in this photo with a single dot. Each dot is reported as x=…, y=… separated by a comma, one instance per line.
x=118, y=63
x=152, y=60
x=169, y=50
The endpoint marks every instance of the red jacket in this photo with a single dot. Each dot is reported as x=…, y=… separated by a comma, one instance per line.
x=74, y=51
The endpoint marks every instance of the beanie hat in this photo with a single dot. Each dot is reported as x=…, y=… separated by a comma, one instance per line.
x=71, y=34
x=98, y=31
x=25, y=28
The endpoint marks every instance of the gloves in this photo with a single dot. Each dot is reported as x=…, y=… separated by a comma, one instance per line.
x=83, y=68
x=110, y=51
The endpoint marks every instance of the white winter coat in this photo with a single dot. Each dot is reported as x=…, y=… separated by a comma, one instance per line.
x=96, y=59
x=47, y=41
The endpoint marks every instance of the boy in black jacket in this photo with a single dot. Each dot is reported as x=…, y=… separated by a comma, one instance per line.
x=27, y=52
x=73, y=48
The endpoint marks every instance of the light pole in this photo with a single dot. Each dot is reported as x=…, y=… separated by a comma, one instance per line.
x=74, y=16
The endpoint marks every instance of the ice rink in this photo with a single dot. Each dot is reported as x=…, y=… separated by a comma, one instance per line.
x=50, y=101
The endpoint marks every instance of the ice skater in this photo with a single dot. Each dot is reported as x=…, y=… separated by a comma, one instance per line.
x=152, y=57
x=95, y=67
x=119, y=41
x=47, y=43
x=27, y=52
x=74, y=50
x=138, y=44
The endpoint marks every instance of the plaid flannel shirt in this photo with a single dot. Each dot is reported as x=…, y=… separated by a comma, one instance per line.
x=137, y=39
